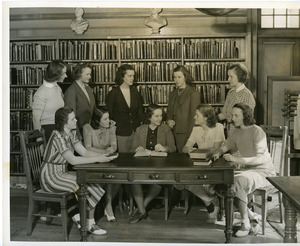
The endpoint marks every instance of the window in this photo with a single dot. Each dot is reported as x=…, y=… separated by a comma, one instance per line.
x=280, y=18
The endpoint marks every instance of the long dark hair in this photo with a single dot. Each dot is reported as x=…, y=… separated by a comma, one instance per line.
x=188, y=77
x=62, y=117
x=247, y=114
x=121, y=73
x=97, y=116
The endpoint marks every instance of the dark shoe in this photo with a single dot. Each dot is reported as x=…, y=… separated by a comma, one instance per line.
x=137, y=217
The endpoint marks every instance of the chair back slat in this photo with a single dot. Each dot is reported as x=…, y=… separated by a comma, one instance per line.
x=32, y=146
x=277, y=138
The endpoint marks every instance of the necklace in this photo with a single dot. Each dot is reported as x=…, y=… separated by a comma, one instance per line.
x=180, y=91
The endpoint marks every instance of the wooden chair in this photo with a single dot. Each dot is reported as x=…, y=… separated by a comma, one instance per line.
x=277, y=138
x=32, y=146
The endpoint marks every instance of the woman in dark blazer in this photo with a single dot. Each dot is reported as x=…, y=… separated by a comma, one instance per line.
x=79, y=96
x=154, y=136
x=182, y=106
x=124, y=104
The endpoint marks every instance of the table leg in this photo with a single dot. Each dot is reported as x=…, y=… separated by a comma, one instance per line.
x=229, y=195
x=82, y=192
x=290, y=218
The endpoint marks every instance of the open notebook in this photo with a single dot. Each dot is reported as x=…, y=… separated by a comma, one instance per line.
x=150, y=153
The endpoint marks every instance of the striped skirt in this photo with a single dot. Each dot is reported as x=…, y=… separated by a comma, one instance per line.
x=56, y=178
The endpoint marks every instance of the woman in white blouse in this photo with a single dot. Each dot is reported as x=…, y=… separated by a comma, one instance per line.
x=207, y=134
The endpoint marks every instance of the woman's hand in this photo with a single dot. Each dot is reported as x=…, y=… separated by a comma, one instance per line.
x=140, y=148
x=105, y=158
x=160, y=148
x=229, y=157
x=190, y=149
x=171, y=123
x=109, y=150
x=112, y=123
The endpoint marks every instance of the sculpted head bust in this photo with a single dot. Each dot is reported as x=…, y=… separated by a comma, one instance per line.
x=155, y=21
x=79, y=25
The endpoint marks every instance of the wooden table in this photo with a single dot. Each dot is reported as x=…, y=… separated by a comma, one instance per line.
x=289, y=186
x=174, y=169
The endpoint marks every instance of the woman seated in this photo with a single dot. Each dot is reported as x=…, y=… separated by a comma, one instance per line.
x=153, y=136
x=100, y=137
x=251, y=142
x=54, y=172
x=208, y=134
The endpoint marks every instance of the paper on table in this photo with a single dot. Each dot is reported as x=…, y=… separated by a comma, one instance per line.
x=150, y=153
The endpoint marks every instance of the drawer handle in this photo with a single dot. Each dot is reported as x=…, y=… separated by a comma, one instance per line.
x=202, y=176
x=153, y=176
x=108, y=176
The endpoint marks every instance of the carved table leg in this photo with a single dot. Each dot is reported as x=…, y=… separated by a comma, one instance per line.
x=229, y=195
x=290, y=218
x=82, y=192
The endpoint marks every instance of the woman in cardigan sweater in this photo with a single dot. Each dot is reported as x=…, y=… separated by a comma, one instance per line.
x=153, y=136
x=182, y=105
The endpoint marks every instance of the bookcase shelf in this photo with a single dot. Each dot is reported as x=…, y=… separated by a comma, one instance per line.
x=154, y=58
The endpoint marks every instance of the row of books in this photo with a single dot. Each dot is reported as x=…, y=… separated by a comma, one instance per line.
x=208, y=71
x=32, y=52
x=158, y=94
x=21, y=121
x=21, y=98
x=212, y=93
x=210, y=48
x=16, y=164
x=15, y=142
x=104, y=72
x=101, y=92
x=88, y=50
x=26, y=75
x=151, y=49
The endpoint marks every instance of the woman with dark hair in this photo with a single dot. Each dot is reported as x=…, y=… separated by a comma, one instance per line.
x=79, y=96
x=124, y=105
x=239, y=93
x=254, y=160
x=207, y=134
x=49, y=97
x=100, y=137
x=182, y=105
x=58, y=154
x=152, y=136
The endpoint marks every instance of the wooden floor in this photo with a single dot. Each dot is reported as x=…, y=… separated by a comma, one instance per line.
x=178, y=229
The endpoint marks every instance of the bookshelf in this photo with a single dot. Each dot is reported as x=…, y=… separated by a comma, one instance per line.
x=207, y=57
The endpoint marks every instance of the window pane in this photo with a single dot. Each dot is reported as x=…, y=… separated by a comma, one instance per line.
x=280, y=21
x=280, y=11
x=293, y=21
x=267, y=11
x=267, y=21
x=293, y=11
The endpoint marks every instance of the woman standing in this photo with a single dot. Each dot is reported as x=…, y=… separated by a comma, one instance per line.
x=239, y=93
x=251, y=142
x=49, y=97
x=124, y=105
x=182, y=105
x=100, y=137
x=152, y=136
x=208, y=134
x=79, y=96
x=59, y=152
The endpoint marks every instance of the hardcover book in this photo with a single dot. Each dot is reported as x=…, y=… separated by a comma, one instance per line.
x=199, y=154
x=202, y=162
x=150, y=153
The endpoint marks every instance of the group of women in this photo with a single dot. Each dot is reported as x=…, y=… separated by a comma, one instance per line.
x=74, y=122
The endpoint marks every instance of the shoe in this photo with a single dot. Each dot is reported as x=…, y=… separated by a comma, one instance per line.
x=76, y=221
x=213, y=216
x=254, y=217
x=96, y=230
x=255, y=228
x=137, y=217
x=109, y=218
x=244, y=231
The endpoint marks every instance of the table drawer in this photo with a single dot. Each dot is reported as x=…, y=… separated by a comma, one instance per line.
x=207, y=176
x=107, y=176
x=153, y=176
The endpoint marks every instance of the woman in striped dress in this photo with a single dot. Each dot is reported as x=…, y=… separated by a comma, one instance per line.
x=58, y=153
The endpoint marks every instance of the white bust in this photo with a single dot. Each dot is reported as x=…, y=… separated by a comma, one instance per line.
x=155, y=21
x=79, y=25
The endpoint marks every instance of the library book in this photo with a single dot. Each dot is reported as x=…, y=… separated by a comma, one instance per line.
x=199, y=154
x=147, y=152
